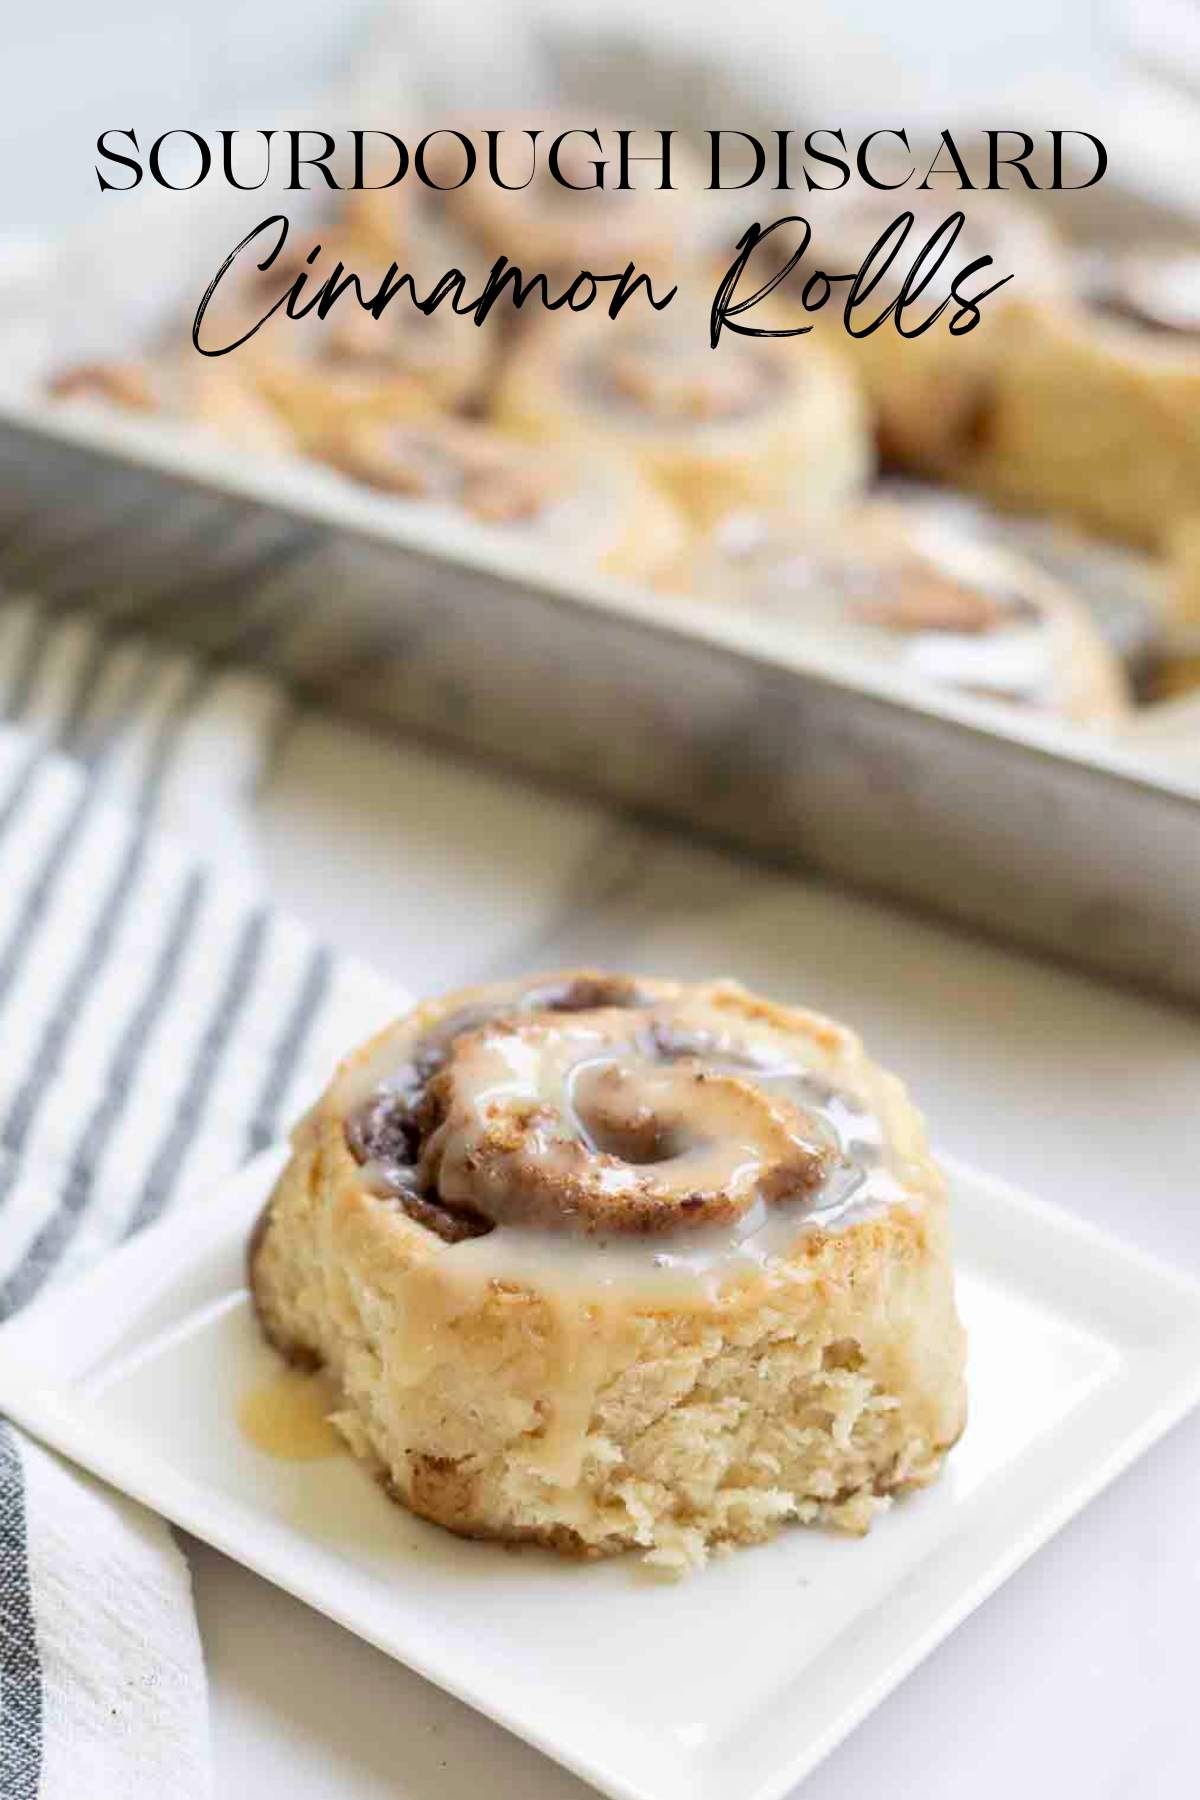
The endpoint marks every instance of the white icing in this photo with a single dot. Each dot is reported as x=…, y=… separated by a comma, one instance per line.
x=839, y=595
x=564, y=1087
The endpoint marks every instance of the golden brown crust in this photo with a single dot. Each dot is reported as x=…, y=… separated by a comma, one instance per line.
x=295, y=1354
x=925, y=392
x=1093, y=420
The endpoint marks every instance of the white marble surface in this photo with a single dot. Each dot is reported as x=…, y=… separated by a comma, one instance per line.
x=1078, y=1678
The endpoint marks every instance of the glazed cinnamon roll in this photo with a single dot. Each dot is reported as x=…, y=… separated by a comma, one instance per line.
x=607, y=1262
x=757, y=422
x=906, y=588
x=597, y=510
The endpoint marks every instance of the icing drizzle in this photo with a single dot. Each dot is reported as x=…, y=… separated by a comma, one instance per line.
x=599, y=1131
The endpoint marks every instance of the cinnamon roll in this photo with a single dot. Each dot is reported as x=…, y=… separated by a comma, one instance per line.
x=1095, y=417
x=407, y=363
x=906, y=587
x=924, y=392
x=757, y=422
x=322, y=375
x=607, y=1262
x=214, y=395
x=597, y=510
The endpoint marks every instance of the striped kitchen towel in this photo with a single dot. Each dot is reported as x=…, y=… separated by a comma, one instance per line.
x=161, y=1022
x=162, y=730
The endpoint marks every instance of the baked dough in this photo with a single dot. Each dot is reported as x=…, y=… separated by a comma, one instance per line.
x=908, y=587
x=924, y=392
x=404, y=364
x=610, y=1263
x=757, y=422
x=596, y=510
x=212, y=393
x=1093, y=418
x=322, y=376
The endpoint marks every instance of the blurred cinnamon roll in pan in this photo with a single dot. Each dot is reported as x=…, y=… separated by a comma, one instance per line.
x=756, y=422
x=1094, y=417
x=321, y=374
x=606, y=1262
x=1078, y=396
x=595, y=510
x=904, y=587
x=923, y=391
x=215, y=395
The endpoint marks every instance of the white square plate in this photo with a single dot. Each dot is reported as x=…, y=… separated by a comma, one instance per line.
x=733, y=1683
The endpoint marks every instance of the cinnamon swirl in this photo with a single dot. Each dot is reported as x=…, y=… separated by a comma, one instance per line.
x=405, y=363
x=608, y=1262
x=596, y=510
x=756, y=422
x=905, y=587
x=323, y=376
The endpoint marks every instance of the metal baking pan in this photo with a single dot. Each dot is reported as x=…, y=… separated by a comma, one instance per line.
x=1030, y=829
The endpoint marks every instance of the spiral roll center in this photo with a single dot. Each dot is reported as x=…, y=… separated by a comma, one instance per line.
x=599, y=1112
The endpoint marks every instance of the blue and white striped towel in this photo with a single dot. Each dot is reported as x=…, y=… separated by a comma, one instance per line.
x=161, y=1023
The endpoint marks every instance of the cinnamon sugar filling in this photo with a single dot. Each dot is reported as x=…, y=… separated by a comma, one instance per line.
x=594, y=1109
x=497, y=481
